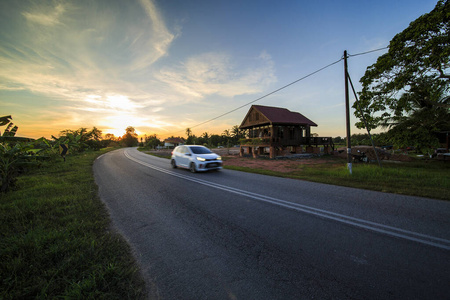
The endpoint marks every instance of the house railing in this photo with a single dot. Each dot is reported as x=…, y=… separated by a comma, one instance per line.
x=283, y=141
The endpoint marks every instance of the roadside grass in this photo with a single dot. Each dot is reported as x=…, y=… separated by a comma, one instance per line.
x=423, y=178
x=426, y=179
x=56, y=240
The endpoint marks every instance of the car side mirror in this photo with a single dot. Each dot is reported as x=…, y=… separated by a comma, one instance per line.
x=188, y=154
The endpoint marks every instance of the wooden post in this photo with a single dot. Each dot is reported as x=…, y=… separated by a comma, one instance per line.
x=347, y=115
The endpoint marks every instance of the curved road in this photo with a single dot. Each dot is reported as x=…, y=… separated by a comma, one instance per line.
x=235, y=235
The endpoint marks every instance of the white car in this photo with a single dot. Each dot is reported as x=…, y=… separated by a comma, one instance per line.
x=195, y=158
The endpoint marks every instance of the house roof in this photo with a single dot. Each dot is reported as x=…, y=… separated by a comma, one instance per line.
x=278, y=115
x=174, y=140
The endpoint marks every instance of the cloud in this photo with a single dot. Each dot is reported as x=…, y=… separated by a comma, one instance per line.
x=152, y=45
x=217, y=73
x=47, y=16
x=83, y=49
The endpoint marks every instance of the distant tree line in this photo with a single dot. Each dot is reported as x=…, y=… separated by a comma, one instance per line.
x=380, y=140
x=228, y=138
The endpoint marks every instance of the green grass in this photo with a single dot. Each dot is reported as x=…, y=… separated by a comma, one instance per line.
x=422, y=178
x=56, y=240
x=425, y=179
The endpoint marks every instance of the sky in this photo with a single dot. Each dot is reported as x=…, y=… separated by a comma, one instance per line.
x=162, y=66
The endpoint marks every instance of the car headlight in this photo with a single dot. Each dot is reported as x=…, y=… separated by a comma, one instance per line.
x=200, y=158
x=219, y=158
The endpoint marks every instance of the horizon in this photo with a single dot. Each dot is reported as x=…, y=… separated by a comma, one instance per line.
x=164, y=66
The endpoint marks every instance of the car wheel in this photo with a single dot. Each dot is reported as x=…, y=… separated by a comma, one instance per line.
x=192, y=167
x=173, y=163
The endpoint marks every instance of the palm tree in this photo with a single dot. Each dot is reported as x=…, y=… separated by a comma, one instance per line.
x=188, y=132
x=427, y=106
x=236, y=131
x=226, y=133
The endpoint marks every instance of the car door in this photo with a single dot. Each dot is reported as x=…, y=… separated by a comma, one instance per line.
x=183, y=157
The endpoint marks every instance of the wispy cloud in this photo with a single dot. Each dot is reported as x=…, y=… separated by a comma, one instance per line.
x=217, y=73
x=97, y=64
x=73, y=57
x=153, y=44
x=44, y=15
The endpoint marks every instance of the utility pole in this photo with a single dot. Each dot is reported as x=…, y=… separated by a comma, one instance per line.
x=347, y=115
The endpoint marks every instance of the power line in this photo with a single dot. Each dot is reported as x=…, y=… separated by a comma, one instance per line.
x=285, y=86
x=367, y=52
x=266, y=95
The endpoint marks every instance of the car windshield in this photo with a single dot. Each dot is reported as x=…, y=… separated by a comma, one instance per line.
x=200, y=150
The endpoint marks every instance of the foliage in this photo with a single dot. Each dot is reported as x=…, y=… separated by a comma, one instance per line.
x=55, y=243
x=426, y=116
x=413, y=69
x=152, y=141
x=419, y=178
x=11, y=129
x=130, y=138
x=188, y=132
x=228, y=138
x=14, y=159
x=16, y=154
x=82, y=139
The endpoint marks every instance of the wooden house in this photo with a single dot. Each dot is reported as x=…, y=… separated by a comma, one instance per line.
x=173, y=142
x=278, y=131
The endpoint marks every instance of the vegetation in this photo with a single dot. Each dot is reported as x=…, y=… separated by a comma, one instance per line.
x=407, y=89
x=419, y=178
x=228, y=138
x=56, y=240
x=380, y=140
x=130, y=139
x=16, y=154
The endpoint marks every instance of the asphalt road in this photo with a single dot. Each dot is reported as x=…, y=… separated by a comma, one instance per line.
x=234, y=235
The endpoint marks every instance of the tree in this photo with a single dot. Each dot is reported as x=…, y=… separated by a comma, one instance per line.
x=81, y=139
x=191, y=140
x=15, y=154
x=426, y=115
x=110, y=136
x=11, y=129
x=152, y=141
x=419, y=54
x=130, y=138
x=188, y=132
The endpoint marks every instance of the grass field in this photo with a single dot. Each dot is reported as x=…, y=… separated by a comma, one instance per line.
x=426, y=179
x=56, y=240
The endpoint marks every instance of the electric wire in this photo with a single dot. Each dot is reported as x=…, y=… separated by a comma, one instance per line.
x=266, y=95
x=283, y=87
x=367, y=52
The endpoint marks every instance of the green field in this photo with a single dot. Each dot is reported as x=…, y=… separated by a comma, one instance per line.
x=420, y=178
x=56, y=240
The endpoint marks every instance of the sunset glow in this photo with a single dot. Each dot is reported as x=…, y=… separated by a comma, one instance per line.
x=164, y=66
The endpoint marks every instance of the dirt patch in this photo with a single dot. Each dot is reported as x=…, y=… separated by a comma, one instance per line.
x=278, y=165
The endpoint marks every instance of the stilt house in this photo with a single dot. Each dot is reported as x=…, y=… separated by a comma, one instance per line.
x=278, y=131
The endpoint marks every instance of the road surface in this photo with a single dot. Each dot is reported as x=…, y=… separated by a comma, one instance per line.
x=235, y=235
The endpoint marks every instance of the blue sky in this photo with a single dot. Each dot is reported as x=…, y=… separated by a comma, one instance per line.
x=164, y=66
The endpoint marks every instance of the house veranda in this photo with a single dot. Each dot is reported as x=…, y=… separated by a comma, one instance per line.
x=277, y=131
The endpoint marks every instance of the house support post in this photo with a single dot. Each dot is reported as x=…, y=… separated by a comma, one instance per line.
x=272, y=153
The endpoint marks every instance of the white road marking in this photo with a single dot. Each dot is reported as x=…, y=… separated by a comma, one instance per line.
x=377, y=227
